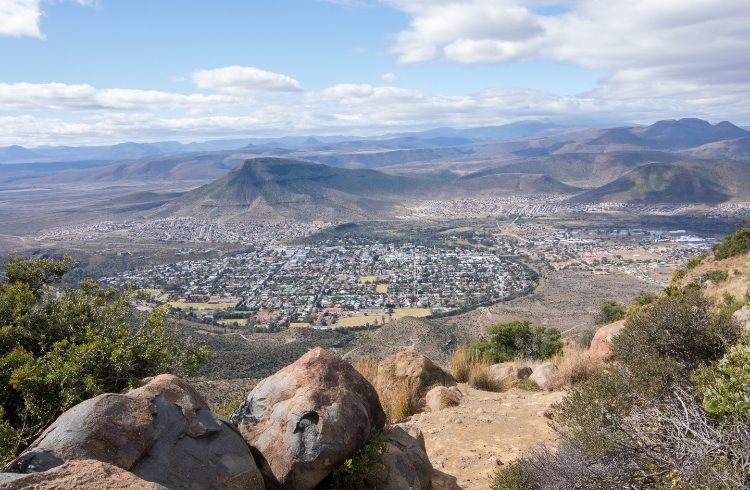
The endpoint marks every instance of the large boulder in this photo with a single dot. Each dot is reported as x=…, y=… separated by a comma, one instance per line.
x=405, y=461
x=542, y=374
x=742, y=316
x=414, y=370
x=76, y=475
x=441, y=397
x=306, y=420
x=508, y=373
x=600, y=351
x=163, y=432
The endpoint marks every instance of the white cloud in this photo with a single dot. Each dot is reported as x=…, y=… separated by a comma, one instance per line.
x=20, y=18
x=342, y=91
x=341, y=109
x=77, y=98
x=655, y=49
x=244, y=80
x=389, y=77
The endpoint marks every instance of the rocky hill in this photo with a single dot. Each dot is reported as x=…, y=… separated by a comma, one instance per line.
x=698, y=181
x=279, y=188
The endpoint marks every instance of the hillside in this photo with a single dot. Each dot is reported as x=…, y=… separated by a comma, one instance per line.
x=699, y=181
x=737, y=149
x=512, y=184
x=582, y=169
x=277, y=188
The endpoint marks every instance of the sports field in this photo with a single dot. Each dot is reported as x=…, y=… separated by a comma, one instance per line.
x=240, y=321
x=358, y=321
x=416, y=312
x=202, y=306
x=381, y=288
x=367, y=279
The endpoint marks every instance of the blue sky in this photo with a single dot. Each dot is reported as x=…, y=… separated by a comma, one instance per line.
x=107, y=71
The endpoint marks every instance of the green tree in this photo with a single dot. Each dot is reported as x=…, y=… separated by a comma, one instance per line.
x=517, y=339
x=62, y=345
x=735, y=244
x=609, y=312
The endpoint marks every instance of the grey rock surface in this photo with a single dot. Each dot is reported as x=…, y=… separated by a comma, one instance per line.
x=542, y=374
x=163, y=432
x=306, y=420
x=406, y=463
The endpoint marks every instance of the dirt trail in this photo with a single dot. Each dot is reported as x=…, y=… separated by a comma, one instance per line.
x=487, y=429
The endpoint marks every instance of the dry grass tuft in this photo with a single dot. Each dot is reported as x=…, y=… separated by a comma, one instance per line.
x=397, y=399
x=480, y=379
x=473, y=371
x=573, y=367
x=460, y=366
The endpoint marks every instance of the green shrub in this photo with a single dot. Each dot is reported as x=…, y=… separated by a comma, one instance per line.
x=609, y=312
x=365, y=463
x=733, y=245
x=517, y=339
x=725, y=386
x=641, y=300
x=716, y=276
x=514, y=476
x=682, y=327
x=678, y=274
x=661, y=344
x=60, y=346
x=694, y=262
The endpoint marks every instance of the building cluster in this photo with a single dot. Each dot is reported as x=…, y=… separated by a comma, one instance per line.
x=323, y=285
x=189, y=229
x=533, y=205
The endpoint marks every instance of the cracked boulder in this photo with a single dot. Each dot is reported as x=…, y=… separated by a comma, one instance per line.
x=162, y=432
x=307, y=419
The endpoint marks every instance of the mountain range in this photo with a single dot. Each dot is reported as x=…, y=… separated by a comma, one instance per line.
x=686, y=160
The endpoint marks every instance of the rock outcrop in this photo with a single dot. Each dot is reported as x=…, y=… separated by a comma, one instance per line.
x=407, y=466
x=415, y=370
x=542, y=374
x=441, y=397
x=163, y=432
x=76, y=475
x=509, y=373
x=307, y=419
x=600, y=351
x=742, y=316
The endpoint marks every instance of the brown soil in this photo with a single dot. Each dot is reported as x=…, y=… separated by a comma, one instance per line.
x=471, y=441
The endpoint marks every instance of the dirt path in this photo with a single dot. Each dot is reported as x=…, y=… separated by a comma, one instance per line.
x=472, y=440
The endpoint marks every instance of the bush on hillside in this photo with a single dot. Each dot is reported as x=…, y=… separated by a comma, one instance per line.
x=516, y=339
x=725, y=386
x=641, y=300
x=682, y=327
x=638, y=423
x=694, y=262
x=609, y=312
x=716, y=276
x=60, y=346
x=733, y=245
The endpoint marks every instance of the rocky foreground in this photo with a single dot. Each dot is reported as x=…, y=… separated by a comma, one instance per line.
x=290, y=433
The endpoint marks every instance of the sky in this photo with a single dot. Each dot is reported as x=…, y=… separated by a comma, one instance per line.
x=91, y=72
